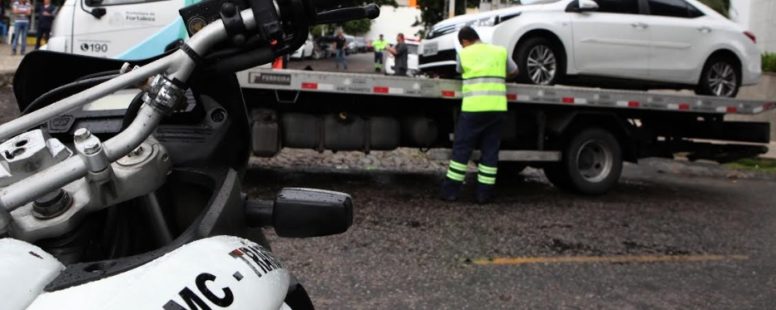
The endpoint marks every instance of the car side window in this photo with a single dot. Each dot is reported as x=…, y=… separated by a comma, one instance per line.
x=693, y=11
x=618, y=6
x=673, y=8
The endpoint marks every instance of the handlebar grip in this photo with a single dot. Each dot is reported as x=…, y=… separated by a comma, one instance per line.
x=371, y=11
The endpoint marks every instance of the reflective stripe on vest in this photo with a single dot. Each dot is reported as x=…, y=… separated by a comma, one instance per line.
x=484, y=72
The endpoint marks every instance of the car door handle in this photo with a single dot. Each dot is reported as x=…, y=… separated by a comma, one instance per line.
x=640, y=25
x=704, y=29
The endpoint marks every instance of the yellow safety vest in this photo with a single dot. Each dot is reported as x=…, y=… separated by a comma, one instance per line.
x=484, y=73
x=379, y=45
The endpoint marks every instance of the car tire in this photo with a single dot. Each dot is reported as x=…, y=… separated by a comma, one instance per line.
x=591, y=163
x=547, y=61
x=721, y=77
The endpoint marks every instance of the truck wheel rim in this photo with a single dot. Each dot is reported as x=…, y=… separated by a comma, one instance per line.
x=722, y=79
x=594, y=161
x=541, y=65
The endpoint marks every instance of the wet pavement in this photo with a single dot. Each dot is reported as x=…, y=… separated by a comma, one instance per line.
x=671, y=235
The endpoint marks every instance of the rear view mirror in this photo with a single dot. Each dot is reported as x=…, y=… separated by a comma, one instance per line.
x=587, y=5
x=582, y=6
x=303, y=212
x=98, y=12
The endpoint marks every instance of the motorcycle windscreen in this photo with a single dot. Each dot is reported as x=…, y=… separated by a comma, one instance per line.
x=42, y=71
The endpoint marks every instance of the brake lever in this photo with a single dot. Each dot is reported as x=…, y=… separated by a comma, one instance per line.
x=370, y=11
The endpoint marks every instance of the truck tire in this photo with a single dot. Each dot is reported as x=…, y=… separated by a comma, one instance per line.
x=591, y=163
x=546, y=63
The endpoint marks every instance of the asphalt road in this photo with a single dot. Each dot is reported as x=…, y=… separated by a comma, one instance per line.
x=671, y=235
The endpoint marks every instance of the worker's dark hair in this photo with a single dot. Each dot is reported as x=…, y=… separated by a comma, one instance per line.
x=401, y=35
x=467, y=33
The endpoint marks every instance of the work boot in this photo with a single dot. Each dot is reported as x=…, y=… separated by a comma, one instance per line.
x=450, y=190
x=485, y=194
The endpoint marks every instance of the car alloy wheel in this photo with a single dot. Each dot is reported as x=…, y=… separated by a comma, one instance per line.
x=722, y=79
x=542, y=65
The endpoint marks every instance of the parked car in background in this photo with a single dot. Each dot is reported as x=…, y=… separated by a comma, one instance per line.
x=635, y=43
x=360, y=44
x=412, y=59
x=306, y=50
x=350, y=44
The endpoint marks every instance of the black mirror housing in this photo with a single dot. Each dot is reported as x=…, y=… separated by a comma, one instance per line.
x=303, y=212
x=98, y=12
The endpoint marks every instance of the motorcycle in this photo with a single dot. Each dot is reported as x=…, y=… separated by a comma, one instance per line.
x=120, y=184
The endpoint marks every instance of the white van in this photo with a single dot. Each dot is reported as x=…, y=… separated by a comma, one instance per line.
x=120, y=29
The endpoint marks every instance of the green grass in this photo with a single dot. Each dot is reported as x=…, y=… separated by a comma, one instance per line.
x=754, y=164
x=769, y=62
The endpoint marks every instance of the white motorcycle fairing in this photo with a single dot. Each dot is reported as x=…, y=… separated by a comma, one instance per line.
x=219, y=272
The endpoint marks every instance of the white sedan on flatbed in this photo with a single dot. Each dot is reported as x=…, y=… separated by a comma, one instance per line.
x=638, y=44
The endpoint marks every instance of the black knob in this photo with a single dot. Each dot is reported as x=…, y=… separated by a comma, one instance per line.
x=228, y=9
x=52, y=204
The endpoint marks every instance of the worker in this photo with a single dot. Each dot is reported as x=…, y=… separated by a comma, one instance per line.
x=379, y=45
x=400, y=53
x=484, y=69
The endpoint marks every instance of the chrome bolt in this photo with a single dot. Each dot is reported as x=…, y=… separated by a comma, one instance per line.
x=136, y=152
x=91, y=147
x=82, y=134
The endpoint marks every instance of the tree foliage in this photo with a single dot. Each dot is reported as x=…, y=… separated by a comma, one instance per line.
x=354, y=27
x=434, y=11
x=357, y=27
x=721, y=6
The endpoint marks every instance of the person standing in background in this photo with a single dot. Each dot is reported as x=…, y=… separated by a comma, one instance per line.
x=45, y=19
x=400, y=53
x=379, y=45
x=3, y=24
x=339, y=43
x=21, y=16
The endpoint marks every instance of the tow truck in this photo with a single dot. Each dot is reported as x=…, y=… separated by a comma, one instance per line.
x=580, y=137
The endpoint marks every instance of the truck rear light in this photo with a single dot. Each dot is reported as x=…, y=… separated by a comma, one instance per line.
x=751, y=36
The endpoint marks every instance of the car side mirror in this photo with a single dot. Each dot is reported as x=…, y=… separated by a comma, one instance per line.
x=98, y=12
x=302, y=213
x=580, y=6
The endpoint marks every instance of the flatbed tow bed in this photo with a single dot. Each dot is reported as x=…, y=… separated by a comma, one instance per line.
x=579, y=136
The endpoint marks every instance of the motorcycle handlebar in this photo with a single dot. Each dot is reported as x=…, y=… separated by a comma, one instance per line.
x=177, y=66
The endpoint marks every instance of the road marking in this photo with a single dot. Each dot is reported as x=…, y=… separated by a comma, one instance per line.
x=605, y=259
